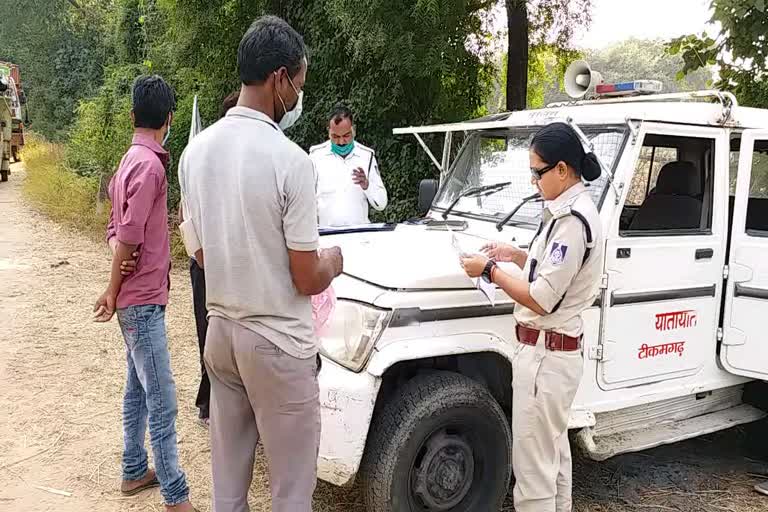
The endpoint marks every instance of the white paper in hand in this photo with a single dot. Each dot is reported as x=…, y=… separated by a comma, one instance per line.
x=488, y=289
x=458, y=249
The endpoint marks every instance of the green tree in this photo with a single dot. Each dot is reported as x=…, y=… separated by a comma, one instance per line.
x=546, y=68
x=102, y=129
x=394, y=63
x=59, y=47
x=536, y=30
x=627, y=60
x=740, y=51
x=644, y=59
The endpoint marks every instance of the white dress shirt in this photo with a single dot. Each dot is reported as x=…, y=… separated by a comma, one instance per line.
x=340, y=201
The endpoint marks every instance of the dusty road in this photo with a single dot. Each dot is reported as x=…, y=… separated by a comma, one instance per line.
x=61, y=379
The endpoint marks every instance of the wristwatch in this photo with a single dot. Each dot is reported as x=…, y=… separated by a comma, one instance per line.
x=488, y=270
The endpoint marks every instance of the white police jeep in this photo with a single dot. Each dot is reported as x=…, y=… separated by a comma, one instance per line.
x=416, y=382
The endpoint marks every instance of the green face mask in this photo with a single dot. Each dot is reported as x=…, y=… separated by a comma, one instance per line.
x=342, y=150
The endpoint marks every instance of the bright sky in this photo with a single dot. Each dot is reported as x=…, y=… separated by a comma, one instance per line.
x=616, y=20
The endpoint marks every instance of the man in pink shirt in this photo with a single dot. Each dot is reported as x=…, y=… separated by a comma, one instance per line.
x=139, y=225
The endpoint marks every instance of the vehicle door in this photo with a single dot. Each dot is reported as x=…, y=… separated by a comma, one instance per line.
x=744, y=349
x=664, y=258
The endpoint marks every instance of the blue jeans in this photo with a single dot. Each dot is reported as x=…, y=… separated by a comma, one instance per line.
x=150, y=392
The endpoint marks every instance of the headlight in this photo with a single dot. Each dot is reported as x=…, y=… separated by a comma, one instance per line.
x=352, y=332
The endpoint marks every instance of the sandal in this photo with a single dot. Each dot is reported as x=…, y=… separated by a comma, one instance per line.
x=146, y=483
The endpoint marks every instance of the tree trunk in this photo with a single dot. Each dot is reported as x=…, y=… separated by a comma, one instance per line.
x=517, y=56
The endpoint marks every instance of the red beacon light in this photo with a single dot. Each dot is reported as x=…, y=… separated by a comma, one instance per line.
x=629, y=88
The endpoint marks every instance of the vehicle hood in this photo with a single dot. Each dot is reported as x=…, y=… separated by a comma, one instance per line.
x=408, y=258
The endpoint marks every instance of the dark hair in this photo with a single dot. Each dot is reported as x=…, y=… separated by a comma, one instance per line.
x=559, y=142
x=268, y=45
x=152, y=100
x=229, y=102
x=340, y=113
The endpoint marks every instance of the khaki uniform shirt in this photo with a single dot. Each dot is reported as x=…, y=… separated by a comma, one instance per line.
x=561, y=282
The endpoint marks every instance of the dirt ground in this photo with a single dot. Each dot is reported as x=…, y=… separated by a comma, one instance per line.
x=61, y=379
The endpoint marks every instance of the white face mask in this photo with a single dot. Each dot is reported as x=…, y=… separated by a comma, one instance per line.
x=167, y=135
x=290, y=118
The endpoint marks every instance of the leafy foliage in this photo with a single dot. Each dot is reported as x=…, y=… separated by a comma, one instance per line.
x=645, y=59
x=394, y=63
x=626, y=60
x=741, y=50
x=546, y=29
x=60, y=47
x=546, y=68
x=553, y=22
x=545, y=73
x=102, y=130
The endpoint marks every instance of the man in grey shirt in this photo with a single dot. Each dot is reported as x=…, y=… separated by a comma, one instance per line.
x=250, y=195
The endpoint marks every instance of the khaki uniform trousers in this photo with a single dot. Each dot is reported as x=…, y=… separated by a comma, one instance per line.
x=260, y=392
x=544, y=384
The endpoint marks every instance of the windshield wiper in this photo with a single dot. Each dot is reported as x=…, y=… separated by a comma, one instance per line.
x=503, y=222
x=485, y=190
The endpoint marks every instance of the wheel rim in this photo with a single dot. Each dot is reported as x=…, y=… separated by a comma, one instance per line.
x=443, y=471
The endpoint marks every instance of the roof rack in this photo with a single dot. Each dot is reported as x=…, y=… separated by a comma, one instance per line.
x=725, y=98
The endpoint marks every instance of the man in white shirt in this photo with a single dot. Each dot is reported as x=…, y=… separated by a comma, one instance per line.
x=348, y=178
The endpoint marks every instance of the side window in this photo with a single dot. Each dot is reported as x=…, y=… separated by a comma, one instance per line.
x=757, y=208
x=652, y=159
x=671, y=188
x=733, y=164
x=733, y=171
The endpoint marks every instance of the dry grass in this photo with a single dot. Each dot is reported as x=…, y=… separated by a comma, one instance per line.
x=60, y=193
x=69, y=198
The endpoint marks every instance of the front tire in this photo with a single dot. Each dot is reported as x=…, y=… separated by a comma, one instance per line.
x=441, y=444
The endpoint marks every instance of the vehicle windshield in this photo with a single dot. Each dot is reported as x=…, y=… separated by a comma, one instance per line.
x=499, y=156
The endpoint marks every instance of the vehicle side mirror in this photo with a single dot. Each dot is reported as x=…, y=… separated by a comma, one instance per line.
x=427, y=193
x=23, y=99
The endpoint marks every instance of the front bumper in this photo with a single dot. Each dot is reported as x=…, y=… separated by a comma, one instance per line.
x=347, y=400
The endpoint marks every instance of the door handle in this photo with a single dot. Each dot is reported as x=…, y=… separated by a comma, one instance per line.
x=623, y=253
x=704, y=254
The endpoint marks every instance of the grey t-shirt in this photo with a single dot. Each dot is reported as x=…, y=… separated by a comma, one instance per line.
x=250, y=193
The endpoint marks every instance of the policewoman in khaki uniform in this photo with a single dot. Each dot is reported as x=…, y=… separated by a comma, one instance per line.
x=561, y=279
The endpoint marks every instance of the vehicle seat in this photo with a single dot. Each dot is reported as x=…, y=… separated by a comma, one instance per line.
x=676, y=203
